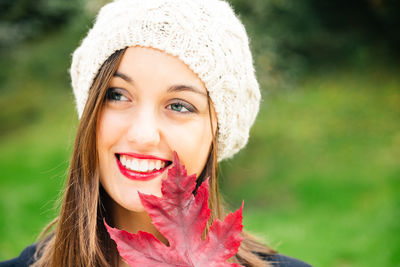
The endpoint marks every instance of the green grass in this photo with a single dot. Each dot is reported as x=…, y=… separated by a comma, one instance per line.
x=37, y=123
x=33, y=164
x=320, y=176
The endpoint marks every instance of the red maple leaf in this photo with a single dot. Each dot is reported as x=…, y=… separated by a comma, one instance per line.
x=181, y=217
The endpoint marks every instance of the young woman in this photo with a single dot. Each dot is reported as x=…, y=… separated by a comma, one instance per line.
x=151, y=78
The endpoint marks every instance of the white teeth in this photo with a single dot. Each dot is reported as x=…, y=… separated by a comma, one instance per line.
x=158, y=164
x=141, y=165
x=151, y=165
x=135, y=165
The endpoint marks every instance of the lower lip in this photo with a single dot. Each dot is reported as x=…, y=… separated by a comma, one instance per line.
x=138, y=176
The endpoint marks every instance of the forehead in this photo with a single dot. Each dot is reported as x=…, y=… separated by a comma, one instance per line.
x=141, y=64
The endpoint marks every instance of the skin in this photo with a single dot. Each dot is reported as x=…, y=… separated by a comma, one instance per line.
x=156, y=106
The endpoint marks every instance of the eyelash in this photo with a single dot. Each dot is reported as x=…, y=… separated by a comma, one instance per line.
x=189, y=107
x=112, y=92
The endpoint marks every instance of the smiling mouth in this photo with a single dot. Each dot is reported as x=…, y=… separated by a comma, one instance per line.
x=141, y=167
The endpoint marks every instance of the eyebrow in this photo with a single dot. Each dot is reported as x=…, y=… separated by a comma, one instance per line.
x=182, y=88
x=171, y=89
x=124, y=77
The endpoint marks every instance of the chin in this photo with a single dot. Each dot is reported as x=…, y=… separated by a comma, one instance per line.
x=135, y=208
x=125, y=197
x=131, y=203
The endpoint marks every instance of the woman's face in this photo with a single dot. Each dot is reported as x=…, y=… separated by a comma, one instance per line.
x=155, y=105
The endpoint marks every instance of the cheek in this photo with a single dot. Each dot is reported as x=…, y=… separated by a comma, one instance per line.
x=105, y=139
x=107, y=131
x=192, y=143
x=111, y=129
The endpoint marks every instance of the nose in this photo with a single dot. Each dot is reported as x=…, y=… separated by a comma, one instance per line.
x=144, y=131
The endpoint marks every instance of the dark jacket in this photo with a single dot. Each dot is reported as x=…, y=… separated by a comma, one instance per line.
x=26, y=258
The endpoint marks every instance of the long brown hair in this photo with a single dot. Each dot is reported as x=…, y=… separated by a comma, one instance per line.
x=78, y=236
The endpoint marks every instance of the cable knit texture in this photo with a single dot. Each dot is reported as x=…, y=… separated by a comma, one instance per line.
x=205, y=34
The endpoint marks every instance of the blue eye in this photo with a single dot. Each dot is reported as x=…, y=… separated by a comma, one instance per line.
x=181, y=107
x=178, y=107
x=114, y=94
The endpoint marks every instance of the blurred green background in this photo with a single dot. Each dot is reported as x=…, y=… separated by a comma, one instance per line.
x=321, y=173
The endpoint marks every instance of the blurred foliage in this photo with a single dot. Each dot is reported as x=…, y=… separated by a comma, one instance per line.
x=293, y=37
x=34, y=73
x=22, y=19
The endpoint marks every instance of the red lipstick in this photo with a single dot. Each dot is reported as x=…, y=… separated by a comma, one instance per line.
x=140, y=176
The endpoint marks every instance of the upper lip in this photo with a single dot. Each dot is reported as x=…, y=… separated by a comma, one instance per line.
x=141, y=156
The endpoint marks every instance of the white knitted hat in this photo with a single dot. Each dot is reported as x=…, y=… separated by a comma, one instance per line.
x=205, y=34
